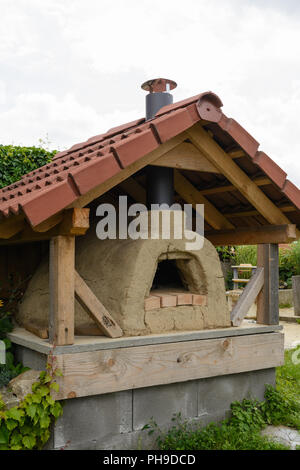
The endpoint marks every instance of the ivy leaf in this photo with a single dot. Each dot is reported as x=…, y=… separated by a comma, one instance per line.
x=45, y=421
x=11, y=424
x=15, y=413
x=56, y=409
x=4, y=434
x=55, y=386
x=50, y=400
x=31, y=410
x=29, y=441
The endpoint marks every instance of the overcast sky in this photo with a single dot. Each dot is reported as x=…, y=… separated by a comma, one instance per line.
x=71, y=69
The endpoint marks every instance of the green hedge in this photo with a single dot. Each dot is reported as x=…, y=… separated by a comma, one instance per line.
x=17, y=161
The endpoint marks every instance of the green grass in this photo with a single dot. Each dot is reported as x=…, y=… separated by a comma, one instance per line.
x=286, y=305
x=242, y=431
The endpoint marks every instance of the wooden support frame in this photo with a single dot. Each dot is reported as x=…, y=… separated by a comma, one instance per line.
x=95, y=309
x=69, y=222
x=61, y=287
x=202, y=140
x=248, y=297
x=267, y=301
x=191, y=195
x=254, y=236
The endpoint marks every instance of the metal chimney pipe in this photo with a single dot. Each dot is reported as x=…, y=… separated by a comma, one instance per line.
x=160, y=180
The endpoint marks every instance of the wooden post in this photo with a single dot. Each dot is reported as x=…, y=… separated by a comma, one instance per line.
x=62, y=273
x=296, y=294
x=267, y=300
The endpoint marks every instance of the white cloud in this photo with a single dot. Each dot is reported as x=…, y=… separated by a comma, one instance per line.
x=73, y=69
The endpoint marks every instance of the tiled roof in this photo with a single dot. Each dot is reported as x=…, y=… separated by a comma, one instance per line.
x=72, y=173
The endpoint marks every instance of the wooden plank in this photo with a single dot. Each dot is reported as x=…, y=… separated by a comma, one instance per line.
x=267, y=301
x=251, y=213
x=247, y=298
x=61, y=266
x=12, y=226
x=82, y=201
x=186, y=157
x=191, y=195
x=254, y=236
x=261, y=181
x=95, y=309
x=237, y=153
x=37, y=330
x=25, y=338
x=238, y=177
x=98, y=372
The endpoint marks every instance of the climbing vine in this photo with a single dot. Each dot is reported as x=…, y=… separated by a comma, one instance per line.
x=27, y=426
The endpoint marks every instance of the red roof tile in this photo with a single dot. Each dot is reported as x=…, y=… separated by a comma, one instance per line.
x=73, y=172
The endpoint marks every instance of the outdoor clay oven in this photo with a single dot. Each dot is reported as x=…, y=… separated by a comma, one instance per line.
x=140, y=328
x=148, y=286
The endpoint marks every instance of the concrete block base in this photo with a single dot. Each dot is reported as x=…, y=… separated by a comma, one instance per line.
x=115, y=420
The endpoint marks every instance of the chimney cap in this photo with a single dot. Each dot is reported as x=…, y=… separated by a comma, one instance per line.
x=157, y=85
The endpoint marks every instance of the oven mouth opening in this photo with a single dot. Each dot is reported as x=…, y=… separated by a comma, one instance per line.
x=168, y=278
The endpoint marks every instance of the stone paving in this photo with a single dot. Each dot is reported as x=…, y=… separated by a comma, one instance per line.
x=284, y=435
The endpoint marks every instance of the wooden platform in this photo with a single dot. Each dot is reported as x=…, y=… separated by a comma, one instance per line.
x=98, y=365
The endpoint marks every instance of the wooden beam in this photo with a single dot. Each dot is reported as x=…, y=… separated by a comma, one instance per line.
x=128, y=171
x=238, y=177
x=37, y=330
x=12, y=226
x=261, y=181
x=62, y=268
x=191, y=195
x=237, y=153
x=127, y=368
x=135, y=190
x=253, y=213
x=267, y=301
x=247, y=298
x=186, y=157
x=95, y=309
x=75, y=222
x=253, y=236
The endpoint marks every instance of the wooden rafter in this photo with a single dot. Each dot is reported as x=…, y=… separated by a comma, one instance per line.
x=237, y=153
x=238, y=177
x=135, y=190
x=192, y=196
x=260, y=181
x=253, y=213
